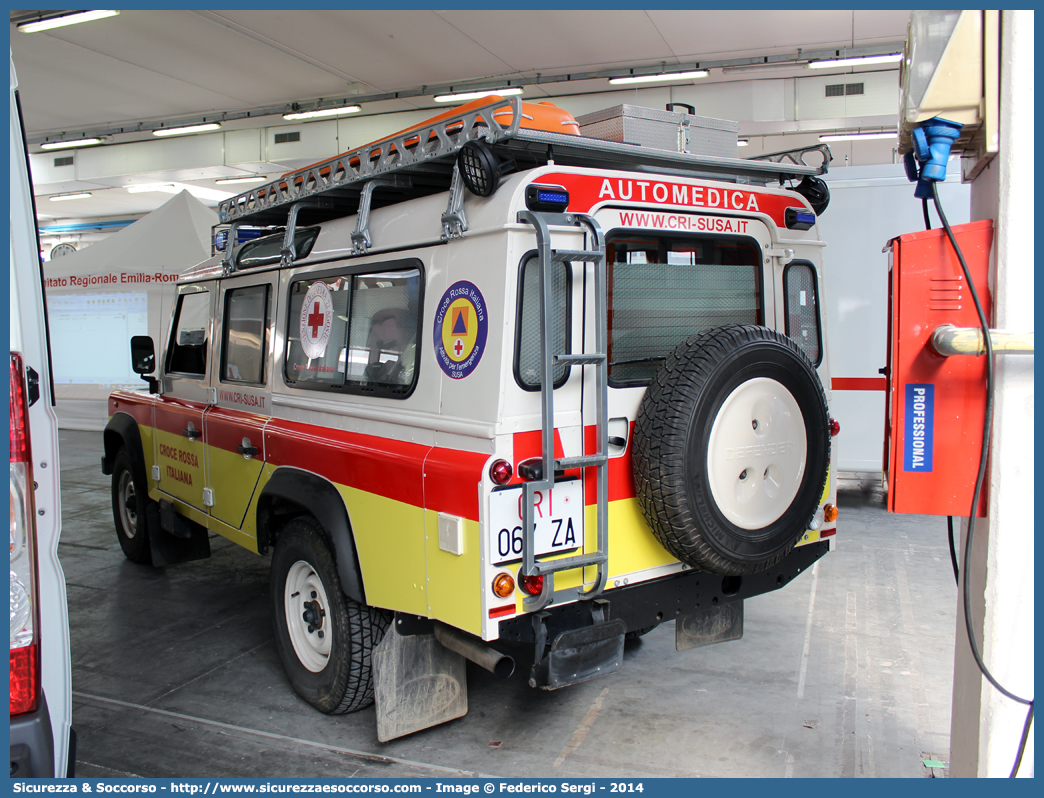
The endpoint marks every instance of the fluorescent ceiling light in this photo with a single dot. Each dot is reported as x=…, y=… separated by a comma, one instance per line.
x=742, y=142
x=244, y=179
x=856, y=61
x=64, y=145
x=474, y=95
x=661, y=76
x=856, y=135
x=66, y=19
x=63, y=197
x=178, y=131
x=344, y=109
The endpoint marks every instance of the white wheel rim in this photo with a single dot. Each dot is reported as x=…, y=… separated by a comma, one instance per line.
x=757, y=452
x=304, y=593
x=128, y=499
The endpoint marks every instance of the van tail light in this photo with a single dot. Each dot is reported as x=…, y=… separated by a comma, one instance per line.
x=25, y=655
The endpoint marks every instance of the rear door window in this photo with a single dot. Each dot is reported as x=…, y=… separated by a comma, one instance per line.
x=664, y=289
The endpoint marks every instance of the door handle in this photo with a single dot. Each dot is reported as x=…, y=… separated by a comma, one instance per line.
x=191, y=433
x=246, y=449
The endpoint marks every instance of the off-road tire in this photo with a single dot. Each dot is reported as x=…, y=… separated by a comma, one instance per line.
x=129, y=500
x=723, y=379
x=345, y=682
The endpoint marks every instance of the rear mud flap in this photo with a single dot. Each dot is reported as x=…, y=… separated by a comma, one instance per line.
x=185, y=541
x=716, y=624
x=581, y=654
x=418, y=683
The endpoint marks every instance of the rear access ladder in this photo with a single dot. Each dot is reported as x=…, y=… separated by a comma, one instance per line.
x=598, y=359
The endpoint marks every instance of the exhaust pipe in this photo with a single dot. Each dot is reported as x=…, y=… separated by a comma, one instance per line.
x=473, y=649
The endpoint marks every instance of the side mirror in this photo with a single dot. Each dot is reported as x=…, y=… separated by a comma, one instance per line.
x=143, y=360
x=143, y=355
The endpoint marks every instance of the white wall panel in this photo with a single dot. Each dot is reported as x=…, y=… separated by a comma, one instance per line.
x=880, y=95
x=243, y=146
x=318, y=141
x=145, y=157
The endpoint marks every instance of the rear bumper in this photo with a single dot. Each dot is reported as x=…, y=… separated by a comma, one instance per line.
x=646, y=604
x=32, y=744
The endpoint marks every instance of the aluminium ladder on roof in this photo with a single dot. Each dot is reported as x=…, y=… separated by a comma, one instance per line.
x=599, y=459
x=426, y=155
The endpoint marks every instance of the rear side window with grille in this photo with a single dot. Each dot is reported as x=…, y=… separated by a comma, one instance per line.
x=527, y=333
x=802, y=308
x=664, y=289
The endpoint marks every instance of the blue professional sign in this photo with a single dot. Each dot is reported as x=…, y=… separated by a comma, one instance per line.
x=920, y=426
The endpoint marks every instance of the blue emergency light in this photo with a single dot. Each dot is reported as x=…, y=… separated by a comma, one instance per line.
x=799, y=219
x=554, y=199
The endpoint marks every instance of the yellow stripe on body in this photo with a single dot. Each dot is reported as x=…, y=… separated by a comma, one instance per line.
x=389, y=537
x=632, y=547
x=237, y=479
x=181, y=463
x=455, y=590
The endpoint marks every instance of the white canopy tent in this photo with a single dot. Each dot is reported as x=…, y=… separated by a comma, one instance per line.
x=99, y=297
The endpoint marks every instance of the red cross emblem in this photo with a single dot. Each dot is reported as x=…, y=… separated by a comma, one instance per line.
x=316, y=319
x=458, y=347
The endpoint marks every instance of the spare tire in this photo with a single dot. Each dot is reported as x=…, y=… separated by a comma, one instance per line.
x=731, y=449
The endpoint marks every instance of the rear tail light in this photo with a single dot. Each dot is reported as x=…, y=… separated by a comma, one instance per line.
x=835, y=428
x=532, y=584
x=25, y=660
x=829, y=513
x=500, y=472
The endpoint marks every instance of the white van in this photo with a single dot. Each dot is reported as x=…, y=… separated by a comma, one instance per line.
x=42, y=738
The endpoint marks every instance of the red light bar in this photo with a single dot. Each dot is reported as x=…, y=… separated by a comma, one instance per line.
x=19, y=407
x=24, y=675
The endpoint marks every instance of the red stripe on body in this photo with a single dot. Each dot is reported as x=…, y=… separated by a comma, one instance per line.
x=388, y=468
x=225, y=428
x=382, y=466
x=451, y=482
x=133, y=405
x=859, y=384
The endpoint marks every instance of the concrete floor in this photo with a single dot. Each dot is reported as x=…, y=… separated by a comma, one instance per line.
x=845, y=672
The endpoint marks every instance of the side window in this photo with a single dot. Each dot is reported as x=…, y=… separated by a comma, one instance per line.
x=246, y=322
x=527, y=331
x=665, y=289
x=802, y=308
x=187, y=350
x=355, y=332
x=268, y=250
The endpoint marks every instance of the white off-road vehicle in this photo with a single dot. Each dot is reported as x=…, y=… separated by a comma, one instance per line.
x=491, y=380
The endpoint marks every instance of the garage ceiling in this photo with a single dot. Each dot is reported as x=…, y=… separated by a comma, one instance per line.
x=148, y=66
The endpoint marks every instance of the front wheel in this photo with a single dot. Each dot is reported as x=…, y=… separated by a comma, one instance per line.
x=128, y=510
x=325, y=639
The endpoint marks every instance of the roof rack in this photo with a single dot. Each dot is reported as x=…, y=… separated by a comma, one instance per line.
x=424, y=157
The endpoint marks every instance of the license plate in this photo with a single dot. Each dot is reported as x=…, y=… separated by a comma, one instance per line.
x=558, y=516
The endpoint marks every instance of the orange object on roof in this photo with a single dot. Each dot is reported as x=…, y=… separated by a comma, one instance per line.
x=535, y=116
